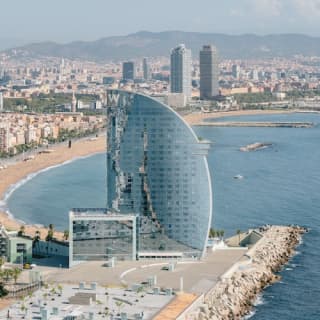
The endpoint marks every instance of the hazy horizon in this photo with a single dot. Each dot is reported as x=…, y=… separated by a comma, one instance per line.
x=8, y=43
x=74, y=20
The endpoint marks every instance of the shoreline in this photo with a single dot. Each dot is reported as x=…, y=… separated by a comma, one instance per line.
x=17, y=172
x=238, y=290
x=195, y=119
x=23, y=171
x=24, y=180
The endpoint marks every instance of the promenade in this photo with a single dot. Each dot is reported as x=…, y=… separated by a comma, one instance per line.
x=198, y=276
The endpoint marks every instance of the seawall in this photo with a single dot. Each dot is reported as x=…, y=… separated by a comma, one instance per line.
x=233, y=296
x=257, y=124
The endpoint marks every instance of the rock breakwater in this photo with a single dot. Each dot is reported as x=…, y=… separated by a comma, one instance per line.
x=233, y=296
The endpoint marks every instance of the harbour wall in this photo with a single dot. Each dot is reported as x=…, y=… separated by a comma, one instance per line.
x=234, y=294
x=257, y=124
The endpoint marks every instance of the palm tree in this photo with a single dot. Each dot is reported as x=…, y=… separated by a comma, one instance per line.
x=60, y=288
x=212, y=233
x=66, y=234
x=239, y=234
x=50, y=232
x=222, y=233
x=37, y=235
x=15, y=274
x=2, y=261
x=36, y=239
x=7, y=274
x=49, y=236
x=119, y=305
x=22, y=230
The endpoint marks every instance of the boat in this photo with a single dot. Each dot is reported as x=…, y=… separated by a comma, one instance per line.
x=238, y=176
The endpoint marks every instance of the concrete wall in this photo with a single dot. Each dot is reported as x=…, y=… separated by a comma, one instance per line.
x=247, y=239
x=51, y=248
x=251, y=239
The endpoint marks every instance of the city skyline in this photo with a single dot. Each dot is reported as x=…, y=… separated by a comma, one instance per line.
x=233, y=17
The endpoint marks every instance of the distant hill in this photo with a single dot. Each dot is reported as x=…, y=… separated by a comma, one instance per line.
x=159, y=44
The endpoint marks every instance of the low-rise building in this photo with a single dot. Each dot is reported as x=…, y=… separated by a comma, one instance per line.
x=14, y=248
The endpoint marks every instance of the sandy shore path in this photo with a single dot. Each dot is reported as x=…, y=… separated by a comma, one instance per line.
x=61, y=153
x=195, y=118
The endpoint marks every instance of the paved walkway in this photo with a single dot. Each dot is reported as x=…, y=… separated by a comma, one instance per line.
x=198, y=276
x=176, y=306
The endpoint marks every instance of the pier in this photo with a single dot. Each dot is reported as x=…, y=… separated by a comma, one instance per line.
x=257, y=124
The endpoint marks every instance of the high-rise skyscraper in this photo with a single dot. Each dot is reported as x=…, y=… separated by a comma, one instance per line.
x=180, y=78
x=209, y=72
x=128, y=70
x=236, y=71
x=74, y=103
x=146, y=69
x=159, y=196
x=1, y=101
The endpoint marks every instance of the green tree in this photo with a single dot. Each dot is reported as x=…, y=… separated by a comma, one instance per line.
x=212, y=233
x=36, y=239
x=7, y=274
x=60, y=288
x=50, y=234
x=2, y=261
x=15, y=274
x=119, y=304
x=22, y=231
x=66, y=234
x=239, y=235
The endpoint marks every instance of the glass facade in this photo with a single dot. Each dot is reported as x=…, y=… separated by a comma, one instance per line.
x=157, y=170
x=96, y=234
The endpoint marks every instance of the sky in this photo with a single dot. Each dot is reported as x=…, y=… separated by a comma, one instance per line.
x=69, y=20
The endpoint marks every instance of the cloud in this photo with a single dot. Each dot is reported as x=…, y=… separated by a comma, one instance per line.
x=236, y=13
x=307, y=8
x=267, y=8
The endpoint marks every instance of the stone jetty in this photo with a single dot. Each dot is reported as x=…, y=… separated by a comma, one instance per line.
x=234, y=294
x=255, y=146
x=257, y=124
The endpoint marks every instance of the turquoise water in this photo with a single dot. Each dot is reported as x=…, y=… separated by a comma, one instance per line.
x=281, y=185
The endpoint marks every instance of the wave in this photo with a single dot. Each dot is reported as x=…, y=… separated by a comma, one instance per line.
x=258, y=302
x=250, y=315
x=12, y=188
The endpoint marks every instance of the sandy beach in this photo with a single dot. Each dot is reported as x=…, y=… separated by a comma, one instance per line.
x=60, y=154
x=195, y=118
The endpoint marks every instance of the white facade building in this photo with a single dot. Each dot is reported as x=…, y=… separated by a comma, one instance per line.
x=1, y=101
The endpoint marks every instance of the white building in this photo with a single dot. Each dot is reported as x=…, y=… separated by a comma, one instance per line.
x=31, y=134
x=1, y=101
x=4, y=137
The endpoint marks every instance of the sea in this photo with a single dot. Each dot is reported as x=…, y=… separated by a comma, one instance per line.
x=280, y=185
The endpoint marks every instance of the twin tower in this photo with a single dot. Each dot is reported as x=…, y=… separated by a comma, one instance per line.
x=181, y=62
